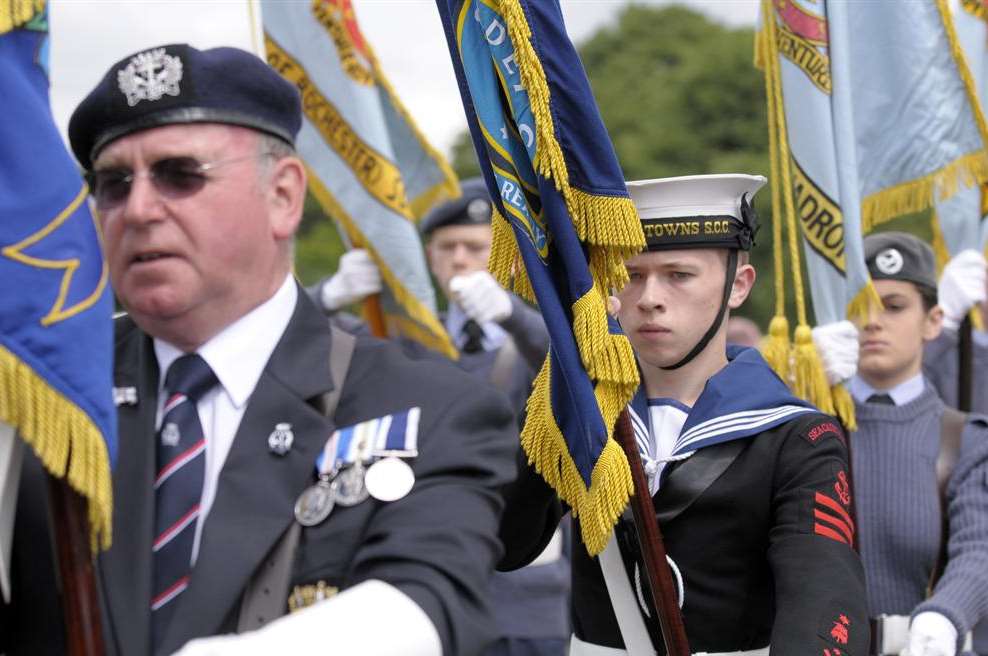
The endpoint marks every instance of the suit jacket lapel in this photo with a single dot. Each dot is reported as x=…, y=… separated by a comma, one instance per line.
x=257, y=489
x=126, y=568
x=691, y=478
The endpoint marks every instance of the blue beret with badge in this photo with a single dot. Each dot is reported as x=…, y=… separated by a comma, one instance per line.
x=473, y=207
x=698, y=211
x=177, y=83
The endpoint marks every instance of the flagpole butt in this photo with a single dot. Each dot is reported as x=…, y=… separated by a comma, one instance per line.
x=80, y=601
x=653, y=549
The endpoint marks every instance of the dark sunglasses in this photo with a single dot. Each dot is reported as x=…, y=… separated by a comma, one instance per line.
x=172, y=177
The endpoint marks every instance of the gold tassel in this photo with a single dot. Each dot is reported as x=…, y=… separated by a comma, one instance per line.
x=844, y=406
x=777, y=349
x=811, y=381
x=15, y=13
x=606, y=357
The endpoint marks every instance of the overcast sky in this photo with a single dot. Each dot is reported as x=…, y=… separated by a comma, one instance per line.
x=90, y=35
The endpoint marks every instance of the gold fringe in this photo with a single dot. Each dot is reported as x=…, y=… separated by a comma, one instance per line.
x=920, y=194
x=607, y=221
x=63, y=436
x=606, y=357
x=411, y=329
x=866, y=298
x=598, y=507
x=777, y=349
x=810, y=379
x=939, y=244
x=844, y=406
x=963, y=69
x=15, y=13
x=977, y=320
x=408, y=302
x=505, y=262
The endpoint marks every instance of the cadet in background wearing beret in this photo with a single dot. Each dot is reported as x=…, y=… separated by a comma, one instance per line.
x=963, y=286
x=239, y=493
x=503, y=341
x=920, y=469
x=749, y=483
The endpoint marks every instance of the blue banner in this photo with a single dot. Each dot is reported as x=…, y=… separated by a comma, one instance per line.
x=56, y=332
x=563, y=226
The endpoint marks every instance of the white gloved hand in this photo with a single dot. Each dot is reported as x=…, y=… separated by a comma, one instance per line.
x=837, y=344
x=931, y=634
x=356, y=279
x=346, y=619
x=480, y=297
x=962, y=286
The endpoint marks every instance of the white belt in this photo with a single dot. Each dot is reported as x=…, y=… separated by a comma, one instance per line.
x=578, y=647
x=891, y=635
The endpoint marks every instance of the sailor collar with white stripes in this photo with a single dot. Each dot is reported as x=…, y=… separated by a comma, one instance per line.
x=741, y=400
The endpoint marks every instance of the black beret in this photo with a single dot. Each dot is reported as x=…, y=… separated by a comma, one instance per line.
x=900, y=256
x=473, y=207
x=179, y=84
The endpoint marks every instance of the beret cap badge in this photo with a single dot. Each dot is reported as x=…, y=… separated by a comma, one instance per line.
x=150, y=75
x=889, y=261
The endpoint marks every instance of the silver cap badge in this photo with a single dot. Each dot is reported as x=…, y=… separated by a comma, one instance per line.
x=281, y=438
x=150, y=75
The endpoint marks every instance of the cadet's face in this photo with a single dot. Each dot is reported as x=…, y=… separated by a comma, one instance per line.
x=457, y=250
x=670, y=301
x=186, y=265
x=892, y=338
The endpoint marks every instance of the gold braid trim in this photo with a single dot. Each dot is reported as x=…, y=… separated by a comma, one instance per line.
x=63, y=436
x=15, y=13
x=413, y=307
x=599, y=506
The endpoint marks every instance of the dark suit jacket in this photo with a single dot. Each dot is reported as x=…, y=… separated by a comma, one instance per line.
x=437, y=545
x=739, y=521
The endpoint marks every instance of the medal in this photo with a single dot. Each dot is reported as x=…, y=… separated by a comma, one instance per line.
x=349, y=485
x=315, y=503
x=389, y=479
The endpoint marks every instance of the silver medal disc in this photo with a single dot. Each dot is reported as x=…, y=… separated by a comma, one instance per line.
x=389, y=479
x=315, y=504
x=349, y=486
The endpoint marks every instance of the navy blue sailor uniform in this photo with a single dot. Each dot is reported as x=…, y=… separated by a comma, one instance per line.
x=756, y=517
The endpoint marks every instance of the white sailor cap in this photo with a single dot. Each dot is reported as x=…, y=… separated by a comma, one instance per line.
x=697, y=211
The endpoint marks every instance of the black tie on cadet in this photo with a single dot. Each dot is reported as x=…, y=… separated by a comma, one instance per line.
x=700, y=211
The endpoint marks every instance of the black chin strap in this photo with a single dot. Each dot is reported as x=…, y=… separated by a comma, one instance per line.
x=732, y=269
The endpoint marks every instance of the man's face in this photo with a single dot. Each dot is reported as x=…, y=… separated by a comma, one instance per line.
x=185, y=265
x=892, y=338
x=670, y=301
x=457, y=250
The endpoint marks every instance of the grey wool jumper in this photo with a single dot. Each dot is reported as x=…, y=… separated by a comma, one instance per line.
x=894, y=453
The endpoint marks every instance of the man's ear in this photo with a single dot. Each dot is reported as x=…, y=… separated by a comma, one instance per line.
x=286, y=195
x=744, y=282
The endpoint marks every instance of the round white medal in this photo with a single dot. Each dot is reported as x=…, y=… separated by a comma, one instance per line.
x=389, y=479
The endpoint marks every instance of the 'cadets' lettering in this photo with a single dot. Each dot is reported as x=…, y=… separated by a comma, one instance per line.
x=820, y=219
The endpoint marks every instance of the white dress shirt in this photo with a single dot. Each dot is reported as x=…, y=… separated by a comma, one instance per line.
x=901, y=394
x=494, y=334
x=237, y=355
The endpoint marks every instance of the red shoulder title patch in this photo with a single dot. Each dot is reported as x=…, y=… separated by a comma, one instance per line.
x=820, y=431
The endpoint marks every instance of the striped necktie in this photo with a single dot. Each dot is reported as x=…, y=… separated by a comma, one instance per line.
x=181, y=459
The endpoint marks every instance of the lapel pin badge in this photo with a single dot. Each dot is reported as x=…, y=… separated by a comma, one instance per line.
x=281, y=438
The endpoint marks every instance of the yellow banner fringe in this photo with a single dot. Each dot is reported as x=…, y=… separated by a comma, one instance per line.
x=66, y=440
x=15, y=13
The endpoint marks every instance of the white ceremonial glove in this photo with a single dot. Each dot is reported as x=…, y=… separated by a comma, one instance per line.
x=837, y=344
x=962, y=286
x=349, y=623
x=356, y=279
x=480, y=297
x=931, y=634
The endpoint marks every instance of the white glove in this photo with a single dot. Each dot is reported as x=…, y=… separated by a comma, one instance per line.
x=346, y=620
x=837, y=344
x=931, y=634
x=357, y=278
x=480, y=297
x=962, y=286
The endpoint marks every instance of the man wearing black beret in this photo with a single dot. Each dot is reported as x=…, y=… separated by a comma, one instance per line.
x=267, y=463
